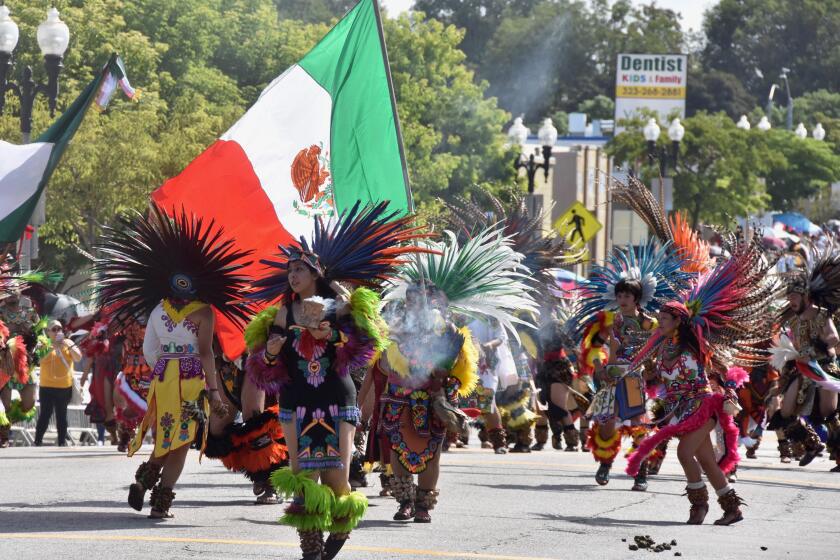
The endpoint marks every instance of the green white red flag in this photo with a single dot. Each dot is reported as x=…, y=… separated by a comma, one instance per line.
x=321, y=137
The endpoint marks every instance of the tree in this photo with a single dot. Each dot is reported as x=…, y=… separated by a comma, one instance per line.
x=803, y=169
x=452, y=132
x=714, y=91
x=562, y=53
x=313, y=11
x=478, y=18
x=755, y=39
x=718, y=176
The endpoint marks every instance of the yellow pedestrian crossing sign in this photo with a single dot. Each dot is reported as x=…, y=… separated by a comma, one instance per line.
x=577, y=224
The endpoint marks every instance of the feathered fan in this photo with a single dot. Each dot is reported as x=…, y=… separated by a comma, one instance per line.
x=483, y=278
x=541, y=252
x=684, y=241
x=11, y=281
x=155, y=257
x=363, y=246
x=728, y=310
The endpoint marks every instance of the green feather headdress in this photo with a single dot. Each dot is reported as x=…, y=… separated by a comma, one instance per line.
x=483, y=278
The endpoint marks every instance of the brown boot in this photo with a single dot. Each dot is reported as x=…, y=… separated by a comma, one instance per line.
x=111, y=428
x=4, y=436
x=570, y=434
x=785, y=453
x=800, y=432
x=699, y=498
x=497, y=438
x=731, y=504
x=582, y=439
x=334, y=543
x=403, y=489
x=541, y=436
x=145, y=478
x=426, y=501
x=385, y=482
x=161, y=500
x=311, y=544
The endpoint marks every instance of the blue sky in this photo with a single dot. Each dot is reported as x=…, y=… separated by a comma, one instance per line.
x=691, y=10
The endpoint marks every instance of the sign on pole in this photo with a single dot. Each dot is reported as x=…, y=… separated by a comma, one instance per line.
x=577, y=224
x=656, y=82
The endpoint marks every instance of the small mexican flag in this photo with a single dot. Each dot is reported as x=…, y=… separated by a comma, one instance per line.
x=25, y=169
x=321, y=137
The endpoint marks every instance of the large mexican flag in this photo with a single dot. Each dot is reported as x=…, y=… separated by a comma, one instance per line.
x=321, y=137
x=26, y=169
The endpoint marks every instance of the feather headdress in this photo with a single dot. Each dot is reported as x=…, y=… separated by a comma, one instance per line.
x=12, y=282
x=483, y=278
x=155, y=257
x=727, y=310
x=821, y=278
x=365, y=245
x=541, y=251
x=676, y=232
x=655, y=267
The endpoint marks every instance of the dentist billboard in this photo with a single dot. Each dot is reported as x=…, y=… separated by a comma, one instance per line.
x=652, y=81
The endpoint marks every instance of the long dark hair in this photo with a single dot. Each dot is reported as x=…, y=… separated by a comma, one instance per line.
x=687, y=340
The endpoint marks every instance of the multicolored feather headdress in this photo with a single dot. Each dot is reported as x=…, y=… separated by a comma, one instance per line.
x=685, y=242
x=364, y=246
x=155, y=257
x=727, y=310
x=655, y=267
x=483, y=278
x=541, y=251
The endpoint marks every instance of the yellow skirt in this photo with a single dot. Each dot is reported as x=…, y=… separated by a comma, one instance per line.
x=171, y=411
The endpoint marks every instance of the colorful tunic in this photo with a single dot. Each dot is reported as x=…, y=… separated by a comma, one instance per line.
x=806, y=335
x=317, y=398
x=628, y=335
x=420, y=368
x=687, y=403
x=21, y=323
x=135, y=378
x=176, y=400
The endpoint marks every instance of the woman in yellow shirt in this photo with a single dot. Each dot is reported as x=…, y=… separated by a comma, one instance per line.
x=56, y=383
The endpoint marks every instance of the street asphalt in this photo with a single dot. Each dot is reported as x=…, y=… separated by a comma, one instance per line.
x=70, y=503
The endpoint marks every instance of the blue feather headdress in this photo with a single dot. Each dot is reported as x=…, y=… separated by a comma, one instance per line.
x=656, y=268
x=364, y=246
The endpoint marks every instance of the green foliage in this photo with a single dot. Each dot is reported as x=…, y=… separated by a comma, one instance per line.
x=719, y=170
x=748, y=35
x=803, y=168
x=562, y=53
x=452, y=132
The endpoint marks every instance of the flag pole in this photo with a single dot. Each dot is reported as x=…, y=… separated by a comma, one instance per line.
x=403, y=162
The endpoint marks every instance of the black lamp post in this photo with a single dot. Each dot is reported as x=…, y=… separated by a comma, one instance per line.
x=547, y=134
x=53, y=38
x=663, y=155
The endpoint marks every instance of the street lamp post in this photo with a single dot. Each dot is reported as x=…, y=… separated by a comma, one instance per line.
x=53, y=37
x=676, y=132
x=547, y=135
